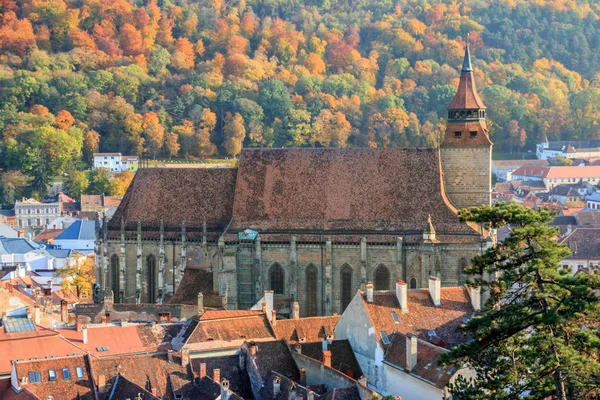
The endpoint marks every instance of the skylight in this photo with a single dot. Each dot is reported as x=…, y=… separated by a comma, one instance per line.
x=51, y=375
x=103, y=348
x=395, y=316
x=66, y=373
x=35, y=377
x=384, y=338
x=79, y=372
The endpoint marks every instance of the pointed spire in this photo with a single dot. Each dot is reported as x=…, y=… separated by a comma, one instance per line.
x=467, y=67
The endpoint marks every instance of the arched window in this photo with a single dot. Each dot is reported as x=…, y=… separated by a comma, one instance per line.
x=382, y=278
x=277, y=276
x=462, y=264
x=346, y=285
x=114, y=277
x=151, y=269
x=311, y=291
x=413, y=283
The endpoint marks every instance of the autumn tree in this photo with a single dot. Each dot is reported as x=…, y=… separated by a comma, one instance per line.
x=234, y=132
x=154, y=133
x=78, y=275
x=120, y=183
x=172, y=144
x=76, y=184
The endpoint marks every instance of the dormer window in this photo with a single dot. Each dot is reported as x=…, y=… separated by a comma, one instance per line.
x=473, y=134
x=457, y=134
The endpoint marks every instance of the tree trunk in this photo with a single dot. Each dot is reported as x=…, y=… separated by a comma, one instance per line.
x=561, y=393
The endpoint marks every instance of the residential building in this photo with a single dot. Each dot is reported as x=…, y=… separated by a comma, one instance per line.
x=566, y=194
x=33, y=216
x=554, y=176
x=24, y=252
x=592, y=202
x=584, y=244
x=81, y=236
x=100, y=204
x=8, y=218
x=115, y=162
x=503, y=169
x=568, y=149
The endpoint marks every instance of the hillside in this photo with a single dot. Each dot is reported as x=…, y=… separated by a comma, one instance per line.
x=198, y=79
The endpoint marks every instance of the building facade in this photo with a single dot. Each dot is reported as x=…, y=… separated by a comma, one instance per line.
x=313, y=225
x=33, y=216
x=115, y=162
x=568, y=149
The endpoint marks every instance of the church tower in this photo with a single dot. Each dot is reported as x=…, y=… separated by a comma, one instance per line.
x=466, y=149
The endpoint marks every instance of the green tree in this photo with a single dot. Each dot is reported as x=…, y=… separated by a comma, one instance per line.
x=76, y=184
x=536, y=337
x=275, y=99
x=99, y=182
x=560, y=161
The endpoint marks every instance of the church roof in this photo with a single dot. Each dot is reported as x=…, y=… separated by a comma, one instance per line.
x=193, y=195
x=466, y=97
x=343, y=190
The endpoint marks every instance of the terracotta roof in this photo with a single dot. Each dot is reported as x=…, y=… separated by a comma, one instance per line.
x=559, y=172
x=342, y=190
x=148, y=369
x=27, y=345
x=588, y=218
x=232, y=330
x=422, y=316
x=342, y=356
x=481, y=139
x=66, y=295
x=520, y=163
x=428, y=356
x=47, y=234
x=59, y=388
x=466, y=97
x=310, y=329
x=24, y=394
x=193, y=195
x=196, y=279
x=117, y=339
x=584, y=243
x=221, y=314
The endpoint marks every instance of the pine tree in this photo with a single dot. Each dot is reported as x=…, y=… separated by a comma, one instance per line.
x=537, y=335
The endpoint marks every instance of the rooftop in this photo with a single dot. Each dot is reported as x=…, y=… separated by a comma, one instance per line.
x=229, y=332
x=584, y=243
x=309, y=329
x=79, y=230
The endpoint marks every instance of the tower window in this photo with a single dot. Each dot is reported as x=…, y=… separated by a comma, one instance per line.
x=473, y=134
x=457, y=134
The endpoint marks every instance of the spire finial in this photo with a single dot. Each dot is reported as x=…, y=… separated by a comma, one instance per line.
x=466, y=67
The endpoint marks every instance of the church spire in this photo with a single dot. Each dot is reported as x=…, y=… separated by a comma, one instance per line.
x=467, y=67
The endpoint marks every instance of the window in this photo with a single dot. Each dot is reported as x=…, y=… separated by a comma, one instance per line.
x=66, y=373
x=79, y=372
x=395, y=316
x=277, y=277
x=382, y=278
x=457, y=134
x=103, y=348
x=51, y=375
x=114, y=275
x=384, y=338
x=473, y=134
x=151, y=265
x=413, y=283
x=311, y=291
x=346, y=283
x=35, y=377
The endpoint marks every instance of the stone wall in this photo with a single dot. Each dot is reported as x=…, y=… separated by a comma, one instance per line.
x=467, y=175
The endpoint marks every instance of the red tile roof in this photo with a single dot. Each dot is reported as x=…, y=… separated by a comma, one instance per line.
x=584, y=244
x=232, y=331
x=465, y=139
x=310, y=329
x=60, y=388
x=466, y=97
x=196, y=279
x=221, y=314
x=193, y=195
x=47, y=234
x=577, y=172
x=422, y=316
x=342, y=190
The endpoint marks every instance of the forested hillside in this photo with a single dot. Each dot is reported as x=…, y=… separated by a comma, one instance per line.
x=200, y=78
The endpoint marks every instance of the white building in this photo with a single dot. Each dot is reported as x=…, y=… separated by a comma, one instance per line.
x=33, y=216
x=584, y=244
x=592, y=202
x=115, y=162
x=568, y=149
x=503, y=169
x=80, y=236
x=24, y=252
x=377, y=325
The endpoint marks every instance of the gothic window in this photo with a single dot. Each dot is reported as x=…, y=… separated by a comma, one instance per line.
x=151, y=264
x=114, y=276
x=346, y=284
x=412, y=283
x=277, y=276
x=311, y=291
x=462, y=264
x=382, y=278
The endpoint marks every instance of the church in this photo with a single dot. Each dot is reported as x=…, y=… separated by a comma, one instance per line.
x=312, y=225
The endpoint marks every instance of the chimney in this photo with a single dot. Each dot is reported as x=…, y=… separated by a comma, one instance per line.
x=434, y=290
x=154, y=392
x=101, y=383
x=298, y=348
x=64, y=312
x=202, y=371
x=302, y=376
x=78, y=324
x=324, y=344
x=411, y=351
x=327, y=358
x=369, y=292
x=29, y=313
x=36, y=314
x=476, y=298
x=225, y=393
x=84, y=333
x=310, y=395
x=185, y=357
x=274, y=318
x=170, y=356
x=217, y=375
x=50, y=285
x=264, y=308
x=276, y=385
x=107, y=316
x=252, y=349
x=200, y=303
x=295, y=310
x=269, y=301
x=362, y=380
x=402, y=295
x=21, y=234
